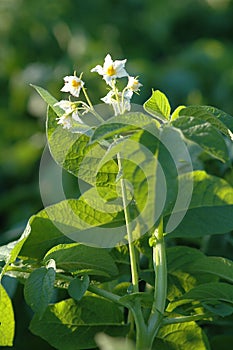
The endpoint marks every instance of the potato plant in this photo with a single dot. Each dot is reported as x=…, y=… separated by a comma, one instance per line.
x=114, y=247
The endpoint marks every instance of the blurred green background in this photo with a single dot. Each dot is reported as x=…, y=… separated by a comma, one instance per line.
x=182, y=47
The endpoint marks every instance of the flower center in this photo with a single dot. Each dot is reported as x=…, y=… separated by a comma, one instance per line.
x=111, y=71
x=75, y=83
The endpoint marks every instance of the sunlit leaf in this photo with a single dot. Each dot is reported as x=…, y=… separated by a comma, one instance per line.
x=185, y=336
x=204, y=134
x=158, y=105
x=7, y=321
x=75, y=256
x=70, y=324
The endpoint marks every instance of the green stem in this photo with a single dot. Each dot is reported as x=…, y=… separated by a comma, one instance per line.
x=132, y=253
x=136, y=310
x=182, y=319
x=104, y=293
x=91, y=106
x=160, y=292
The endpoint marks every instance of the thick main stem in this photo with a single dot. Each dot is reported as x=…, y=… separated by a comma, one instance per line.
x=160, y=292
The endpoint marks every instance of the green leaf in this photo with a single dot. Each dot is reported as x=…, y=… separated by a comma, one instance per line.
x=67, y=148
x=206, y=293
x=74, y=153
x=38, y=289
x=75, y=256
x=10, y=251
x=74, y=219
x=180, y=256
x=158, y=106
x=204, y=134
x=122, y=124
x=49, y=99
x=218, y=266
x=43, y=236
x=211, y=291
x=201, y=111
x=218, y=308
x=204, y=113
x=176, y=112
x=7, y=321
x=78, y=287
x=69, y=325
x=210, y=209
x=189, y=267
x=140, y=156
x=106, y=131
x=181, y=336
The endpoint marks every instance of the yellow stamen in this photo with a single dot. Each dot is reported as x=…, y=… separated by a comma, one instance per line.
x=111, y=71
x=75, y=83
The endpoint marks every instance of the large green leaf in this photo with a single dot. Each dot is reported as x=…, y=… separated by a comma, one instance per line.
x=180, y=279
x=74, y=257
x=187, y=259
x=210, y=209
x=158, y=106
x=211, y=291
x=209, y=295
x=140, y=153
x=38, y=289
x=204, y=134
x=123, y=124
x=181, y=336
x=218, y=266
x=180, y=256
x=44, y=235
x=207, y=113
x=74, y=220
x=70, y=325
x=73, y=152
x=7, y=321
x=151, y=165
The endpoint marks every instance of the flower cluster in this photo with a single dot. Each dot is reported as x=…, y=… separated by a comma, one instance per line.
x=119, y=100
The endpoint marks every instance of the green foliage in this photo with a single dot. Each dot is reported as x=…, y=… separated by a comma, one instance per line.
x=158, y=106
x=76, y=257
x=215, y=203
x=77, y=287
x=69, y=325
x=72, y=245
x=38, y=289
x=7, y=321
x=181, y=336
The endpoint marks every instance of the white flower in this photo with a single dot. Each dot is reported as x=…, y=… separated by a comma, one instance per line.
x=108, y=98
x=133, y=84
x=67, y=106
x=111, y=69
x=73, y=85
x=65, y=120
x=119, y=105
x=71, y=113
